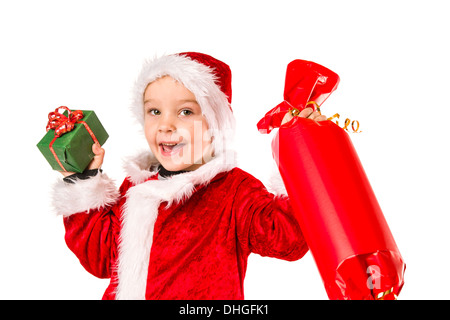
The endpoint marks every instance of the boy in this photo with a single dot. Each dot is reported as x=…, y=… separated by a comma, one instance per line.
x=186, y=218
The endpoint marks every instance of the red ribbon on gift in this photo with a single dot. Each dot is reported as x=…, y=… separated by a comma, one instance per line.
x=62, y=124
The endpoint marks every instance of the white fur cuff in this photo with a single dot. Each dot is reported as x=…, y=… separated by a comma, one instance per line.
x=275, y=183
x=84, y=195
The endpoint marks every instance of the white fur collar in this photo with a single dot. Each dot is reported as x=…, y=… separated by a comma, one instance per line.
x=141, y=210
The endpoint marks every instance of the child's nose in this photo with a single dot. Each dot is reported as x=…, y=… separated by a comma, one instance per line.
x=167, y=124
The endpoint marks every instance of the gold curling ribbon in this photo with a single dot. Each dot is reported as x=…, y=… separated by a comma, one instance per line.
x=354, y=124
x=294, y=112
x=381, y=295
x=347, y=123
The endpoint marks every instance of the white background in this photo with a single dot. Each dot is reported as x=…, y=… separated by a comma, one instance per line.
x=393, y=61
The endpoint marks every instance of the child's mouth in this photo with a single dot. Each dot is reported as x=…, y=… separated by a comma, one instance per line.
x=169, y=149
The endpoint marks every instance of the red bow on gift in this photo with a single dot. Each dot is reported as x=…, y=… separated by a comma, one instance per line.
x=61, y=123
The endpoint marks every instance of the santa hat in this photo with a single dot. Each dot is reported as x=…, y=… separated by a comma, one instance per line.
x=207, y=78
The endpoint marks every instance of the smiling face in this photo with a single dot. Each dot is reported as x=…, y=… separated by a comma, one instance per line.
x=175, y=128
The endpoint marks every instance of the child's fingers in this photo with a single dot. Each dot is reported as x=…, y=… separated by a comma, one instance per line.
x=287, y=117
x=97, y=149
x=99, y=154
x=314, y=115
x=305, y=113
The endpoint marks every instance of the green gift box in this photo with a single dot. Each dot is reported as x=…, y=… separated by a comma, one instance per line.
x=74, y=148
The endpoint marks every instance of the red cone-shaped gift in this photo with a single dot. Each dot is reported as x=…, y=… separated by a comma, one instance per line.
x=334, y=203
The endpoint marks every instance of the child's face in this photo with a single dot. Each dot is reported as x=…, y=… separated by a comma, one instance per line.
x=175, y=128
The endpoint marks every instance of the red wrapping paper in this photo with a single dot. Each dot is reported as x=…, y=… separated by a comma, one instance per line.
x=332, y=198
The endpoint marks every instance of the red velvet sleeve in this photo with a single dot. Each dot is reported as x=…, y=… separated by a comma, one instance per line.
x=266, y=223
x=92, y=237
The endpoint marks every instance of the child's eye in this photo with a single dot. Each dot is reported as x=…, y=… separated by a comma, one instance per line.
x=186, y=112
x=154, y=112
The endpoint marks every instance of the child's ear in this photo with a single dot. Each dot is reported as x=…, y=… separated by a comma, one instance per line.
x=209, y=153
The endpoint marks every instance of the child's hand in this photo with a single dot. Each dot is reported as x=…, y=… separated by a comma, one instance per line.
x=305, y=113
x=99, y=154
x=96, y=163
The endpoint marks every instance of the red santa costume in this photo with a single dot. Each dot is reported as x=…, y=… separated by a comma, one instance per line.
x=187, y=236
